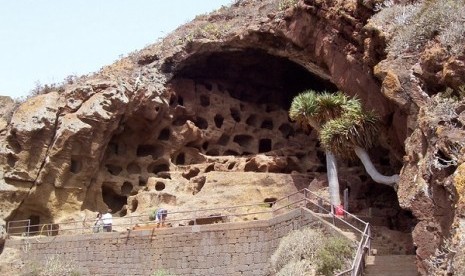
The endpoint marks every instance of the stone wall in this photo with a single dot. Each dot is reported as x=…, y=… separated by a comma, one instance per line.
x=217, y=249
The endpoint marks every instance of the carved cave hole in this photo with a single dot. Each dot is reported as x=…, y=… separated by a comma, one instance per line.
x=201, y=123
x=231, y=152
x=224, y=139
x=231, y=165
x=270, y=201
x=210, y=168
x=13, y=142
x=76, y=166
x=287, y=130
x=213, y=152
x=164, y=134
x=218, y=120
x=243, y=140
x=180, y=159
x=205, y=146
x=267, y=124
x=133, y=168
x=143, y=180
x=156, y=151
x=126, y=188
x=252, y=120
x=113, y=200
x=134, y=205
x=113, y=169
x=204, y=100
x=112, y=148
x=180, y=101
x=158, y=168
x=159, y=186
x=235, y=114
x=264, y=145
x=11, y=160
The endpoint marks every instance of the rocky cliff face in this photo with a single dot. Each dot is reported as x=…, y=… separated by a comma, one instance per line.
x=200, y=119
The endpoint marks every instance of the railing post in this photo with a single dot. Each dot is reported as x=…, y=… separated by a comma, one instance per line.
x=320, y=205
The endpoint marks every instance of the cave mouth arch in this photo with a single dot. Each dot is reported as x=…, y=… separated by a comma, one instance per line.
x=273, y=79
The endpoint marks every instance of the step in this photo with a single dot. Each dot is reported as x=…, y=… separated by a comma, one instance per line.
x=392, y=265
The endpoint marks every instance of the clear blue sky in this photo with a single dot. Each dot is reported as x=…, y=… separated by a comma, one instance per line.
x=47, y=40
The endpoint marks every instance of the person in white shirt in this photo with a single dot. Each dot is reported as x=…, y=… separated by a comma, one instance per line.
x=107, y=219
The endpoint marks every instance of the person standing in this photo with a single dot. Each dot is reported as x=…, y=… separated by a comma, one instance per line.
x=98, y=223
x=161, y=217
x=107, y=219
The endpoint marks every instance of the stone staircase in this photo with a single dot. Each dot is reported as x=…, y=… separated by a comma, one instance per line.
x=391, y=265
x=392, y=254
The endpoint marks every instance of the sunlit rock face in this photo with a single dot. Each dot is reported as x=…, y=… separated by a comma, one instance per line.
x=200, y=120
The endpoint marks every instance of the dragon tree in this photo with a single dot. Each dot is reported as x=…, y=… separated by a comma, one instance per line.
x=343, y=128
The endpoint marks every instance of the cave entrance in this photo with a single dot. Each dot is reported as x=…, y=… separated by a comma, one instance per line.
x=33, y=228
x=113, y=200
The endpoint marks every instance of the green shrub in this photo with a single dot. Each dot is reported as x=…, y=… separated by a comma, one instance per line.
x=307, y=251
x=335, y=253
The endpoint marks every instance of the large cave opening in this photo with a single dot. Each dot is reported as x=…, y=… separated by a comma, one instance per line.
x=249, y=93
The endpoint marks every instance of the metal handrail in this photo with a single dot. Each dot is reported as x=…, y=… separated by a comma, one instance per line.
x=302, y=200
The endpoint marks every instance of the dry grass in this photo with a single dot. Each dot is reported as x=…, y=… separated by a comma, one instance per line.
x=409, y=27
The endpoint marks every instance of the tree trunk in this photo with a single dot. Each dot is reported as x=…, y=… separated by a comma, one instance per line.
x=371, y=170
x=333, y=181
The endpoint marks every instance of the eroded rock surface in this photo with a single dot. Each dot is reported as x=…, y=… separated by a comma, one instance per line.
x=200, y=120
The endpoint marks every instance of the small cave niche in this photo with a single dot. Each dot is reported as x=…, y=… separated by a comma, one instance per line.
x=159, y=186
x=205, y=145
x=264, y=145
x=231, y=165
x=210, y=168
x=270, y=201
x=201, y=123
x=113, y=200
x=180, y=159
x=213, y=152
x=156, y=151
x=181, y=120
x=231, y=152
x=204, y=100
x=218, y=120
x=235, y=114
x=243, y=140
x=113, y=169
x=13, y=143
x=134, y=205
x=126, y=189
x=115, y=148
x=158, y=168
x=11, y=160
x=286, y=130
x=252, y=120
x=224, y=139
x=267, y=124
x=193, y=172
x=133, y=168
x=164, y=134
x=180, y=101
x=143, y=180
x=76, y=165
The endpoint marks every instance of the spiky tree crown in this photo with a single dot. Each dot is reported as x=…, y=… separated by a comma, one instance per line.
x=340, y=121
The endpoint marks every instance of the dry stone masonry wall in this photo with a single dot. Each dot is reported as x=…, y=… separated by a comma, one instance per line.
x=219, y=249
